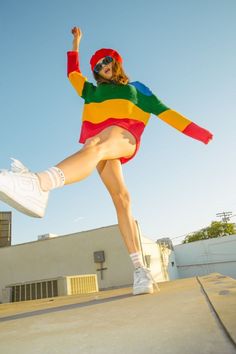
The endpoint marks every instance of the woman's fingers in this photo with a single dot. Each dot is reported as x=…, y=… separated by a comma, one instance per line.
x=76, y=31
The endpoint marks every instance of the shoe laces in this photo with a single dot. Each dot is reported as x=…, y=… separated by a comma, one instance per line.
x=16, y=167
x=142, y=272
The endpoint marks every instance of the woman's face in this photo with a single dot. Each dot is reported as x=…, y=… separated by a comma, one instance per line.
x=106, y=71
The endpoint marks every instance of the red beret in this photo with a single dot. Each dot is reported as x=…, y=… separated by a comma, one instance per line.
x=104, y=52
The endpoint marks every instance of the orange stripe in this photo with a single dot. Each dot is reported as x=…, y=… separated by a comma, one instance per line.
x=175, y=119
x=114, y=108
x=77, y=80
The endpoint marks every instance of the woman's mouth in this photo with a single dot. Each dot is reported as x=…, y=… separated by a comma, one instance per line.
x=107, y=71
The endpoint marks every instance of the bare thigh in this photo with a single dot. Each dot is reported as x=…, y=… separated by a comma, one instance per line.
x=113, y=142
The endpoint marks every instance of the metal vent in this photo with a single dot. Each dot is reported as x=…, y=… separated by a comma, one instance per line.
x=83, y=284
x=33, y=291
x=41, y=289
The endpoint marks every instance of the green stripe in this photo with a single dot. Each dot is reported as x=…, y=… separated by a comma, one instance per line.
x=103, y=92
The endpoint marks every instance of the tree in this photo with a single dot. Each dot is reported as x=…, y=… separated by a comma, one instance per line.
x=216, y=229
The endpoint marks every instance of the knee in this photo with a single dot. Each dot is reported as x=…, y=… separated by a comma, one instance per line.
x=121, y=199
x=94, y=144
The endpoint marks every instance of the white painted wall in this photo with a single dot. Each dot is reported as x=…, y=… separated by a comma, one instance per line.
x=168, y=259
x=152, y=249
x=73, y=255
x=207, y=256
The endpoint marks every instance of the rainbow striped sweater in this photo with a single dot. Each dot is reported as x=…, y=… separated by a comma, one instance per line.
x=129, y=106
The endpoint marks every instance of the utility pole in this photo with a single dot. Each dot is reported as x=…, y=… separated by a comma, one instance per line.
x=225, y=215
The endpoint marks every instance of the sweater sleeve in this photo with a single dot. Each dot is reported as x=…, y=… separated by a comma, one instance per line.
x=186, y=126
x=178, y=121
x=76, y=78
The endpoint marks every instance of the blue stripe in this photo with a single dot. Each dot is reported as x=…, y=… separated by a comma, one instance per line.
x=141, y=88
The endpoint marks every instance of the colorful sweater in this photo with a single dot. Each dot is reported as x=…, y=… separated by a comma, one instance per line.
x=128, y=106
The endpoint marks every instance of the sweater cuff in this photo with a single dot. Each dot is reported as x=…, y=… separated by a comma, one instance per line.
x=198, y=133
x=72, y=62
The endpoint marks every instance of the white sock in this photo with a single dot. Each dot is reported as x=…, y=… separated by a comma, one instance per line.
x=137, y=259
x=51, y=179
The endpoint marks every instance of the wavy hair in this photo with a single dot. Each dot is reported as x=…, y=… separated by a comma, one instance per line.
x=119, y=76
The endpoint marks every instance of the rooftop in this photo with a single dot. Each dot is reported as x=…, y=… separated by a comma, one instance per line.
x=193, y=315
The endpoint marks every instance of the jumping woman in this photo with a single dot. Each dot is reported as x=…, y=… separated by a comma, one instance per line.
x=115, y=114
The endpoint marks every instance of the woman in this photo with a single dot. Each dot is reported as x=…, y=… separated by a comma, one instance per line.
x=114, y=117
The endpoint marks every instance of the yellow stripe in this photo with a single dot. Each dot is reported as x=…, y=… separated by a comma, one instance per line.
x=114, y=108
x=175, y=119
x=77, y=80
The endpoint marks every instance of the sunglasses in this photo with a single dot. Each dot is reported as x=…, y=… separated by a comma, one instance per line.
x=99, y=66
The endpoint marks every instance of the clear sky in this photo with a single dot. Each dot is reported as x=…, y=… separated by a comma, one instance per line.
x=184, y=51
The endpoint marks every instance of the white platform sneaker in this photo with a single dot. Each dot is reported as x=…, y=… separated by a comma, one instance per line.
x=20, y=188
x=143, y=282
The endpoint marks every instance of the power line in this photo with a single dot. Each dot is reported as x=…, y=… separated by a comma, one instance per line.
x=225, y=216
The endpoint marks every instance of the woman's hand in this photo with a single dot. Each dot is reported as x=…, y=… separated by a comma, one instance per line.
x=77, y=33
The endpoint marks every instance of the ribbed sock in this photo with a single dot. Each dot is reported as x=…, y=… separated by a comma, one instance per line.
x=51, y=179
x=137, y=259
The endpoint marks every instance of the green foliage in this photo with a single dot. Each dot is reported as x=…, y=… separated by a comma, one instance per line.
x=216, y=229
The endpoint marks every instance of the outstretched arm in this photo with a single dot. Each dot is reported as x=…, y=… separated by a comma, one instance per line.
x=186, y=126
x=177, y=120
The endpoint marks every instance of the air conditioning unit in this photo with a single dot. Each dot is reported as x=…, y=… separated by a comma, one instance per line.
x=6, y=295
x=46, y=236
x=47, y=288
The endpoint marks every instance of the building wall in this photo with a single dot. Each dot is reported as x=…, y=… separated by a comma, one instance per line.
x=152, y=250
x=207, y=256
x=72, y=255
x=167, y=258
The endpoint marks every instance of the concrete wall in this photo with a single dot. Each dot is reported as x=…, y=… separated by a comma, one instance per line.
x=207, y=256
x=73, y=255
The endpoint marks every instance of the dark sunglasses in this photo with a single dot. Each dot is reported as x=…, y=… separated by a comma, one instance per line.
x=99, y=66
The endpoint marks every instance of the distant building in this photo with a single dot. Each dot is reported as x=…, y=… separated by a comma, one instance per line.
x=100, y=251
x=57, y=265
x=215, y=255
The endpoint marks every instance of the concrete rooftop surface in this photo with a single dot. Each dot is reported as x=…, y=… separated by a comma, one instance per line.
x=187, y=316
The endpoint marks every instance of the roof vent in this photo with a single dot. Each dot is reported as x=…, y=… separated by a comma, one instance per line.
x=46, y=237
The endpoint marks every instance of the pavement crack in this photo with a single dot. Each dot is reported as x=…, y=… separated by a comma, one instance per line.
x=215, y=315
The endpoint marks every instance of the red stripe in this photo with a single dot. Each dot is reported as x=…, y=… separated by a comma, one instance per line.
x=72, y=62
x=89, y=129
x=198, y=133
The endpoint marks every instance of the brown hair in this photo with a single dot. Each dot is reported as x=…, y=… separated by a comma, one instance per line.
x=119, y=76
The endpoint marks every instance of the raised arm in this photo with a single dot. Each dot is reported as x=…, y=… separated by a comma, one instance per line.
x=74, y=74
x=77, y=33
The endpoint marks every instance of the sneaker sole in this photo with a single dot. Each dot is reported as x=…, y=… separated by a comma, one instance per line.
x=10, y=201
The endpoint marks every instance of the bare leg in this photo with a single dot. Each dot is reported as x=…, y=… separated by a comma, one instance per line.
x=111, y=143
x=112, y=176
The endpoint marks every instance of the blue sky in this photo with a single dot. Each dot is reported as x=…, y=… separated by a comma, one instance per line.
x=183, y=50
